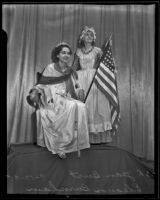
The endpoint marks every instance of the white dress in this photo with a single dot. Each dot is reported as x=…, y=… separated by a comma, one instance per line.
x=61, y=121
x=98, y=107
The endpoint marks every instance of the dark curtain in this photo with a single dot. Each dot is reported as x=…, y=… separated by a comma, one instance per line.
x=33, y=30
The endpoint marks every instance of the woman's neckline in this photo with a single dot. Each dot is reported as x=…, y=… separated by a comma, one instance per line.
x=57, y=68
x=87, y=52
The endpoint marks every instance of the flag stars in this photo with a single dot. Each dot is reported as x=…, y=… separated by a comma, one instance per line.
x=112, y=69
x=108, y=59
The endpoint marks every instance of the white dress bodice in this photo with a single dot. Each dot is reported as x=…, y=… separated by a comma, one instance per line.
x=87, y=61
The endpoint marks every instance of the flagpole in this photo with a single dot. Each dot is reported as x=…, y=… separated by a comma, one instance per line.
x=104, y=45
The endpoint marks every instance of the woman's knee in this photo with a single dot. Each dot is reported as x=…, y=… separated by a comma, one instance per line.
x=71, y=104
x=81, y=105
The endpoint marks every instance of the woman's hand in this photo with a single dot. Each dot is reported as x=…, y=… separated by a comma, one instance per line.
x=81, y=95
x=34, y=96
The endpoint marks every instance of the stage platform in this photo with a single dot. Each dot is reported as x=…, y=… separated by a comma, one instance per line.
x=100, y=169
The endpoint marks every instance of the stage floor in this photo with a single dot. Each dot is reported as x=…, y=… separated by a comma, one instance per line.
x=100, y=169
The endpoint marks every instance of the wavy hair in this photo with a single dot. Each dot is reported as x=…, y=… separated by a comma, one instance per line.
x=56, y=50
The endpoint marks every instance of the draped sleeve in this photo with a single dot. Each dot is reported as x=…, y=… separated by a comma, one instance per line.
x=48, y=70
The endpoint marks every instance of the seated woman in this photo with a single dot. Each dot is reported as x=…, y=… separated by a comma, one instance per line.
x=61, y=119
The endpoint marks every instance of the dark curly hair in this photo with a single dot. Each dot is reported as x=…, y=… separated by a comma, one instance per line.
x=57, y=50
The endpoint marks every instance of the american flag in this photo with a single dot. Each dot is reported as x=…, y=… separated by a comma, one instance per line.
x=106, y=81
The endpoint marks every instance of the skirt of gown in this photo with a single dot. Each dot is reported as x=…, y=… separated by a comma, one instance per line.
x=67, y=132
x=98, y=109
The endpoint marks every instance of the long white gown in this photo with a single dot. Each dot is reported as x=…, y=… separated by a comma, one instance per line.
x=61, y=121
x=98, y=107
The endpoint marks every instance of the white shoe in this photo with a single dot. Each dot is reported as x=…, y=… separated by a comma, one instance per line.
x=62, y=155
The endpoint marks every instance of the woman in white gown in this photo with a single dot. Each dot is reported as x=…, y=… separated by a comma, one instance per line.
x=61, y=120
x=98, y=107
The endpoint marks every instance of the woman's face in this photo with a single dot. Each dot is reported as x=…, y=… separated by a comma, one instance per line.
x=64, y=55
x=88, y=37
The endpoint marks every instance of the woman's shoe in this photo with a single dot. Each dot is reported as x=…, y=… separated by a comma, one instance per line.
x=62, y=155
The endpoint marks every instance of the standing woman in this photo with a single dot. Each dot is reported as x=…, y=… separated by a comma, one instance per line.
x=85, y=62
x=61, y=120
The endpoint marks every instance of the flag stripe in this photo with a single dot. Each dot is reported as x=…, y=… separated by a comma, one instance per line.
x=106, y=81
x=116, y=121
x=102, y=71
x=108, y=87
x=106, y=74
x=114, y=115
x=111, y=95
x=112, y=111
x=107, y=91
x=107, y=71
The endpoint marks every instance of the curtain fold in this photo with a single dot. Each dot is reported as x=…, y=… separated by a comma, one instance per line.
x=33, y=30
